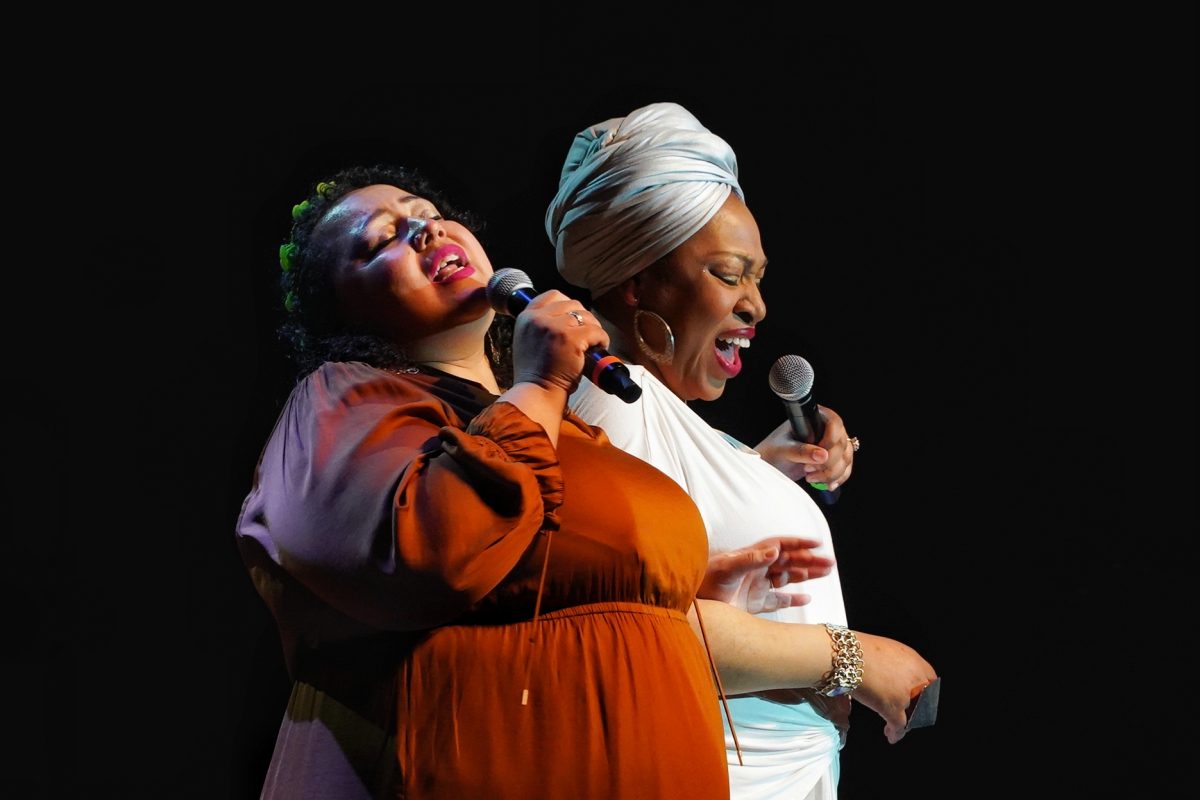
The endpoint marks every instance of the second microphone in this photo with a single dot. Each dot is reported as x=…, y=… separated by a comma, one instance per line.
x=510, y=290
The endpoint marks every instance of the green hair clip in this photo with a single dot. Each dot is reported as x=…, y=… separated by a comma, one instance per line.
x=287, y=255
x=289, y=302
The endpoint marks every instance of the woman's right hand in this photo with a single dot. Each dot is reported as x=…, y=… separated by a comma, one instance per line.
x=550, y=338
x=893, y=675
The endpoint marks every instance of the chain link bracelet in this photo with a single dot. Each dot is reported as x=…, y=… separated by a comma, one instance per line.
x=847, y=671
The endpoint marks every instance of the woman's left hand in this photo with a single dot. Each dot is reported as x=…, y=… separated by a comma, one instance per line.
x=749, y=576
x=829, y=462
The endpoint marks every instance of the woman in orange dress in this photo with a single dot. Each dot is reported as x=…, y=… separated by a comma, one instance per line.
x=477, y=594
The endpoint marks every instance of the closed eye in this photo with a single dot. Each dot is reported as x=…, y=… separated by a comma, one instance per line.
x=412, y=227
x=378, y=248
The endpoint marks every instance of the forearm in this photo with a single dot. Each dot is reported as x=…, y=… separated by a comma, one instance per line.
x=754, y=654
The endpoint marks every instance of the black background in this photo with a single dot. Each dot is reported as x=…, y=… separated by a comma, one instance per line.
x=981, y=234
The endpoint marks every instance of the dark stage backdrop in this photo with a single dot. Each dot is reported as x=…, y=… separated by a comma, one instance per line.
x=982, y=239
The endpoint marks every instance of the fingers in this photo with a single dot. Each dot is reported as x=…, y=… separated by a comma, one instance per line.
x=761, y=600
x=812, y=456
x=758, y=595
x=790, y=544
x=734, y=564
x=810, y=572
x=797, y=564
x=816, y=464
x=559, y=312
x=814, y=567
x=551, y=336
x=828, y=462
x=837, y=470
x=894, y=732
x=777, y=600
x=728, y=574
x=801, y=559
x=836, y=467
x=751, y=576
x=835, y=429
x=743, y=560
x=894, y=723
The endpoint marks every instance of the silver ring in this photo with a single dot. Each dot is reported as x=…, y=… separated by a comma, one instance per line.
x=854, y=443
x=578, y=317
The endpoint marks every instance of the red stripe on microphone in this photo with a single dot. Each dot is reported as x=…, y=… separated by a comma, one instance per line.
x=600, y=365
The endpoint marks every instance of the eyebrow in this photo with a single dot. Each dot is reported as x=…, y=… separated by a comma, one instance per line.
x=747, y=261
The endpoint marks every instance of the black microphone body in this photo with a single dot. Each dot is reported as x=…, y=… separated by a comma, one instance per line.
x=791, y=379
x=807, y=425
x=510, y=290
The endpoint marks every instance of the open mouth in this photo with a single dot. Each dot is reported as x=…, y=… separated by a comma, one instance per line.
x=449, y=264
x=728, y=351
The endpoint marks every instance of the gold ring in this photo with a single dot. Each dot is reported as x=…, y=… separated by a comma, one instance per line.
x=854, y=443
x=578, y=317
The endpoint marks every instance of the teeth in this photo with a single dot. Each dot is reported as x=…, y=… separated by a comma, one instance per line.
x=740, y=341
x=450, y=264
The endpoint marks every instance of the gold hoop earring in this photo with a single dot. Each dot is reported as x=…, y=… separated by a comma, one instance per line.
x=663, y=353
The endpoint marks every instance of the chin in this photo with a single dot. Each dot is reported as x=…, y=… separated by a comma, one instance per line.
x=474, y=296
x=709, y=392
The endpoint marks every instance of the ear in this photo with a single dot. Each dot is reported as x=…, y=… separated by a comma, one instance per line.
x=629, y=290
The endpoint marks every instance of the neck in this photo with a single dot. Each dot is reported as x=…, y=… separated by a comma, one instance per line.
x=620, y=344
x=623, y=345
x=475, y=368
x=455, y=355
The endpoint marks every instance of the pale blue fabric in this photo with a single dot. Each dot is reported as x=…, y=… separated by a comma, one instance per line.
x=633, y=189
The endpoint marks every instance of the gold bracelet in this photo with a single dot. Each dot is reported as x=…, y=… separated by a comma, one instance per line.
x=847, y=671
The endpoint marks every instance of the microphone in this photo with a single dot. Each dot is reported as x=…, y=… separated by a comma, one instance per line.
x=510, y=290
x=791, y=379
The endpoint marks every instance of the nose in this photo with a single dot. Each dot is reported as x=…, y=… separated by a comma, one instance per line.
x=751, y=308
x=422, y=231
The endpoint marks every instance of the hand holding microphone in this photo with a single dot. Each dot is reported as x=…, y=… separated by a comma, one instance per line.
x=791, y=379
x=510, y=291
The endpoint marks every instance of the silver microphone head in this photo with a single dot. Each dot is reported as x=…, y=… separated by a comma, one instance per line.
x=791, y=377
x=501, y=286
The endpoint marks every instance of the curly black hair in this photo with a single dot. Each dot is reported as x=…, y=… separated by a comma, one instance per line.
x=313, y=329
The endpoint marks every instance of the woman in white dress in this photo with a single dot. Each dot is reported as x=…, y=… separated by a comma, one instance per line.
x=649, y=217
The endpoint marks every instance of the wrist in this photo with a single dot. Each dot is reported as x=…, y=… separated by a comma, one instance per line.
x=544, y=405
x=541, y=387
x=846, y=672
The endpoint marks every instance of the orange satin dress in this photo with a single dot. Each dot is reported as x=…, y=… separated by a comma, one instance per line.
x=404, y=529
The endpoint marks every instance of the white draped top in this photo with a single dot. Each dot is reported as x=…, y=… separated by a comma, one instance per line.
x=789, y=749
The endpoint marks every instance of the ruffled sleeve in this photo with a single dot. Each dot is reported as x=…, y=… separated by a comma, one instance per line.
x=370, y=495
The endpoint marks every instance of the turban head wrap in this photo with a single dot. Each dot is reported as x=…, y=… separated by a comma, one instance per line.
x=633, y=189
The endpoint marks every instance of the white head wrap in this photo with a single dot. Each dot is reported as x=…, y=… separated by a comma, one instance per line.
x=633, y=189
